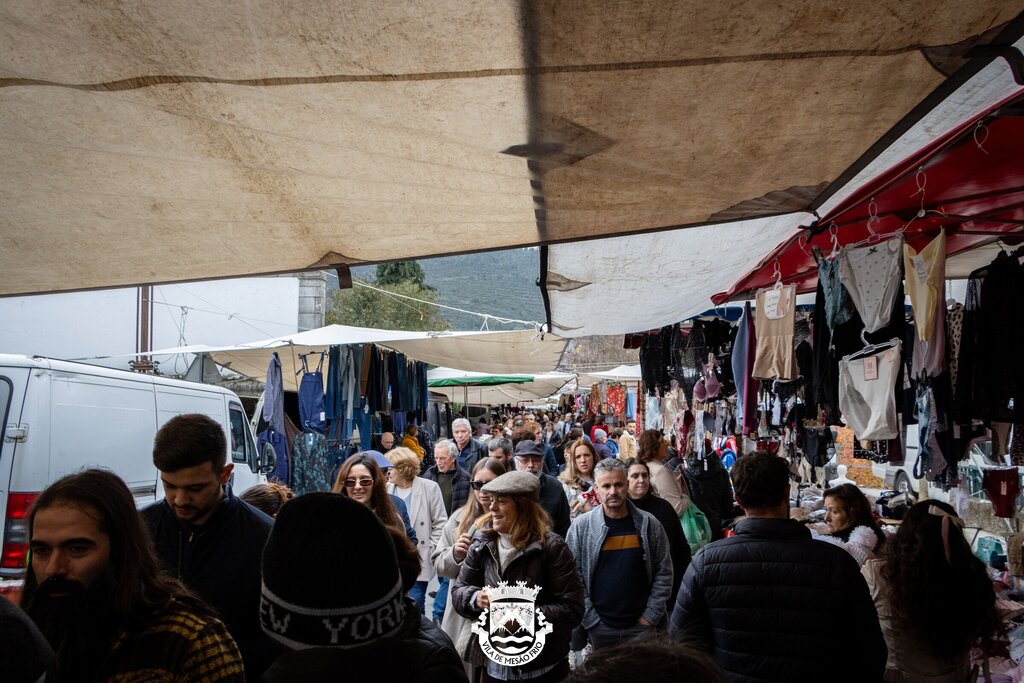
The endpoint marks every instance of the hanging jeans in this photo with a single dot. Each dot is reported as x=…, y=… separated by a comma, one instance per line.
x=867, y=399
x=872, y=276
x=311, y=402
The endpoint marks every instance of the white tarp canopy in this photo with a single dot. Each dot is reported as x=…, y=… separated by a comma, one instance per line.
x=168, y=141
x=622, y=373
x=520, y=351
x=479, y=389
x=637, y=282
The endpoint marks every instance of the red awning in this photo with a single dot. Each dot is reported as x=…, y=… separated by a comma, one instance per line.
x=969, y=183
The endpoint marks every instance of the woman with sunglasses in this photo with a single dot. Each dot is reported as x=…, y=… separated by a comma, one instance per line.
x=456, y=538
x=361, y=479
x=516, y=544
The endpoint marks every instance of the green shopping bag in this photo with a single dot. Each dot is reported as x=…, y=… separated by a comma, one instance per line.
x=695, y=527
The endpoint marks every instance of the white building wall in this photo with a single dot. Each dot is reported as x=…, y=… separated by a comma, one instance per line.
x=83, y=325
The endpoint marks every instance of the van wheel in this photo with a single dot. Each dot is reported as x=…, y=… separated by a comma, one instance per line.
x=902, y=483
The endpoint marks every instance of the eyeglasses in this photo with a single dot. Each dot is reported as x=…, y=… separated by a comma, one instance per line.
x=365, y=482
x=477, y=485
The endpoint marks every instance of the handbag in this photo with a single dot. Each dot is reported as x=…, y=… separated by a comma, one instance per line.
x=695, y=527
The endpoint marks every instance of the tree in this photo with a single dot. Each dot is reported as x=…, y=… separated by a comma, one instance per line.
x=362, y=307
x=402, y=271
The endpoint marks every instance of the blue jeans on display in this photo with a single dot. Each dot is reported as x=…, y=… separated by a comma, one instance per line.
x=441, y=599
x=419, y=595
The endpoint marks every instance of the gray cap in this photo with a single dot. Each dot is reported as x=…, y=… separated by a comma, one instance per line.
x=600, y=434
x=529, y=448
x=514, y=484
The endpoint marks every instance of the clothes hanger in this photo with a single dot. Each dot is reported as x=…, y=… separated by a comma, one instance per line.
x=872, y=348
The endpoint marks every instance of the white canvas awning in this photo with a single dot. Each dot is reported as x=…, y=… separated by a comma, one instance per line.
x=522, y=351
x=174, y=140
x=622, y=373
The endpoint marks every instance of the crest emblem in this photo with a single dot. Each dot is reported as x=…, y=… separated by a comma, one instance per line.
x=512, y=630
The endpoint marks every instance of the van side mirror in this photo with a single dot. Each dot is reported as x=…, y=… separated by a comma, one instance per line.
x=268, y=458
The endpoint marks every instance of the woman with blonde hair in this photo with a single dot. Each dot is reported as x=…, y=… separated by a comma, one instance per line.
x=516, y=544
x=423, y=499
x=652, y=451
x=456, y=537
x=578, y=477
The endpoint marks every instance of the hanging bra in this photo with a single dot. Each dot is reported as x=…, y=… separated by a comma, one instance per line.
x=707, y=386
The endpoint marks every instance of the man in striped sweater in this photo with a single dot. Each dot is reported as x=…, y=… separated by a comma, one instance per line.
x=95, y=591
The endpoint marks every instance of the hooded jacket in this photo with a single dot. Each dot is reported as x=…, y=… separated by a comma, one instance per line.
x=771, y=604
x=550, y=567
x=220, y=560
x=711, y=490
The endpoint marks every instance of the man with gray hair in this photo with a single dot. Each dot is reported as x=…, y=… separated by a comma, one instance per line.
x=454, y=483
x=501, y=449
x=471, y=450
x=623, y=558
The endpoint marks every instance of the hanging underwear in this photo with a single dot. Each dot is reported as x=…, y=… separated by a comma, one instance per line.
x=929, y=359
x=872, y=276
x=926, y=279
x=1002, y=487
x=816, y=445
x=837, y=300
x=866, y=393
x=776, y=323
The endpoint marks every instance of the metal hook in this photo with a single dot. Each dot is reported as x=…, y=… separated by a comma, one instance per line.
x=777, y=274
x=801, y=242
x=921, y=178
x=981, y=128
x=833, y=233
x=872, y=216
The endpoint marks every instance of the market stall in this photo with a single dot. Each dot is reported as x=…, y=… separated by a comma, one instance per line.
x=346, y=386
x=485, y=389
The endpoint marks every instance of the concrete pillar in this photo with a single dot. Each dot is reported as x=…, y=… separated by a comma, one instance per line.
x=312, y=299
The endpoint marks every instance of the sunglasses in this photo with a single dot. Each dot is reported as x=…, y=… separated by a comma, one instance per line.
x=477, y=485
x=365, y=482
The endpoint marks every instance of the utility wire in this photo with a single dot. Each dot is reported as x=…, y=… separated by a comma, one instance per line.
x=485, y=316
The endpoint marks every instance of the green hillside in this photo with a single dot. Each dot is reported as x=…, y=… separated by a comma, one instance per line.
x=501, y=283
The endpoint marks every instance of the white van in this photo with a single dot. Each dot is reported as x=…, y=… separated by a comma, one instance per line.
x=901, y=479
x=60, y=417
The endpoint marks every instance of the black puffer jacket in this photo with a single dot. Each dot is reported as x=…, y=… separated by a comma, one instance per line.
x=420, y=653
x=711, y=490
x=220, y=560
x=550, y=567
x=771, y=604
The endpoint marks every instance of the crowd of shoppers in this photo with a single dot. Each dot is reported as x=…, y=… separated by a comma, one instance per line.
x=207, y=585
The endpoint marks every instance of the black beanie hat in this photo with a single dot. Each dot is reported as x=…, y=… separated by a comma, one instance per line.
x=330, y=575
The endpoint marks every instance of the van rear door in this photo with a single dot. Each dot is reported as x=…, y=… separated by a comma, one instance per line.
x=106, y=422
x=13, y=509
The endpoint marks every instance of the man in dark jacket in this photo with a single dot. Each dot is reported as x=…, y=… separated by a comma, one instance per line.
x=205, y=535
x=454, y=483
x=471, y=450
x=337, y=601
x=529, y=457
x=770, y=603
